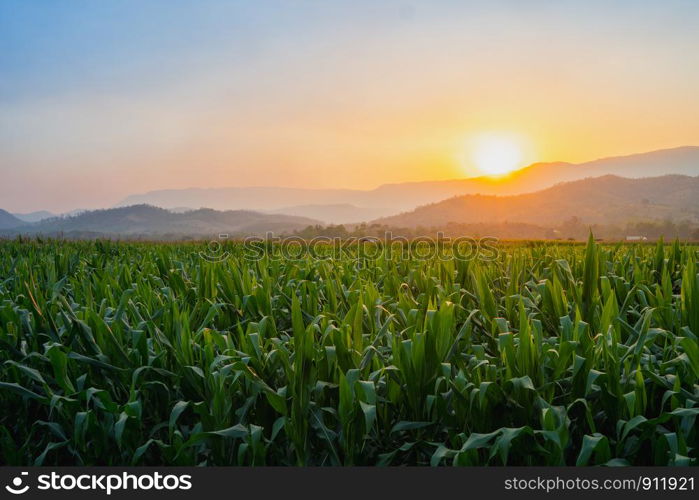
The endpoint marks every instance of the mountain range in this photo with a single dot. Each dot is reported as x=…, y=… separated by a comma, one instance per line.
x=610, y=191
x=149, y=221
x=37, y=216
x=607, y=199
x=388, y=199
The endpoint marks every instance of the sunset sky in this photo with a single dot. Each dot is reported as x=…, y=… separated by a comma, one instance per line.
x=99, y=100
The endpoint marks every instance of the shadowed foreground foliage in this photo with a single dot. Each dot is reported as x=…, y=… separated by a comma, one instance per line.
x=121, y=353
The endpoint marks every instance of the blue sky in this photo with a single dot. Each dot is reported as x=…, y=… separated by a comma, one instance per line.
x=99, y=100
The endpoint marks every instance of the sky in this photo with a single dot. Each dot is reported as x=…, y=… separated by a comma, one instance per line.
x=99, y=100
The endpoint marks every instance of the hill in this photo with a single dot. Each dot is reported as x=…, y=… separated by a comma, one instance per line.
x=602, y=200
x=394, y=198
x=8, y=221
x=35, y=216
x=145, y=220
x=339, y=213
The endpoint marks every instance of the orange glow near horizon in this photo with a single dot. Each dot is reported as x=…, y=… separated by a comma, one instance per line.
x=494, y=154
x=331, y=94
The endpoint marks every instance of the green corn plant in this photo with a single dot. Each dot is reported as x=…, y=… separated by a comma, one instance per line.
x=115, y=353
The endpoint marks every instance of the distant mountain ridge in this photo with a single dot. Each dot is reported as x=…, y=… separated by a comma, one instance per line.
x=8, y=221
x=146, y=220
x=35, y=216
x=399, y=197
x=607, y=199
x=340, y=213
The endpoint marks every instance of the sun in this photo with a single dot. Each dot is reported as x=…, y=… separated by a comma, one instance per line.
x=496, y=155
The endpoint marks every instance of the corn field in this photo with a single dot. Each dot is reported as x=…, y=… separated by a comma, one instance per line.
x=118, y=353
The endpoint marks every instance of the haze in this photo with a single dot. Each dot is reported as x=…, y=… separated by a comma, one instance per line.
x=100, y=100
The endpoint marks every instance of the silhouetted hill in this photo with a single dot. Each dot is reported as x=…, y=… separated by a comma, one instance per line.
x=7, y=220
x=394, y=198
x=602, y=200
x=145, y=220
